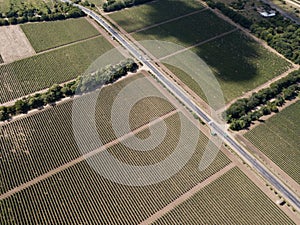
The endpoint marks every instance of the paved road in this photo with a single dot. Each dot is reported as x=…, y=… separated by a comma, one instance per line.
x=179, y=93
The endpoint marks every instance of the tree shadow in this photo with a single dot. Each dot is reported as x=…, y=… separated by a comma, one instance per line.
x=229, y=57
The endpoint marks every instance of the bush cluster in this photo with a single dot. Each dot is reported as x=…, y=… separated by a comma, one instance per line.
x=113, y=5
x=82, y=84
x=242, y=112
x=60, y=11
x=280, y=33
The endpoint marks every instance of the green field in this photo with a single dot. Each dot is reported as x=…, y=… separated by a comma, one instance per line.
x=239, y=63
x=193, y=29
x=41, y=71
x=43, y=36
x=79, y=195
x=36, y=144
x=231, y=199
x=278, y=139
x=147, y=14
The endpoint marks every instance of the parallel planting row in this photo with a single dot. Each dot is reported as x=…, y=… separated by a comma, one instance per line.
x=43, y=36
x=80, y=195
x=231, y=199
x=238, y=62
x=36, y=144
x=278, y=139
x=41, y=71
x=154, y=12
x=242, y=112
x=82, y=84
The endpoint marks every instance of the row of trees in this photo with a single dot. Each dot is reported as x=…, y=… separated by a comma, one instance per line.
x=84, y=3
x=241, y=113
x=57, y=92
x=280, y=33
x=113, y=5
x=60, y=11
x=232, y=14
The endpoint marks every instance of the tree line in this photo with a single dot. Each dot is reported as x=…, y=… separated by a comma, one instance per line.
x=242, y=112
x=113, y=5
x=280, y=33
x=81, y=85
x=25, y=13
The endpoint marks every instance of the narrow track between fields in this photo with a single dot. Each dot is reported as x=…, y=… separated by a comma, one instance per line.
x=187, y=195
x=83, y=157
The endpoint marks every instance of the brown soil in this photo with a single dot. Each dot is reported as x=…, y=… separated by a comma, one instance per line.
x=14, y=44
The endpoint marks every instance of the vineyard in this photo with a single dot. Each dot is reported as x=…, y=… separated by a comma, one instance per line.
x=193, y=29
x=244, y=64
x=29, y=150
x=41, y=71
x=233, y=198
x=278, y=139
x=151, y=13
x=79, y=195
x=43, y=36
x=238, y=62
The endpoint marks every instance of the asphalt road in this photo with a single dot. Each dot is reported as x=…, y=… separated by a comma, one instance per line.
x=273, y=180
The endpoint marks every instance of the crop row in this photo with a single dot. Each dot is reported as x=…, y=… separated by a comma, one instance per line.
x=278, y=138
x=36, y=144
x=148, y=14
x=43, y=36
x=81, y=195
x=231, y=199
x=41, y=71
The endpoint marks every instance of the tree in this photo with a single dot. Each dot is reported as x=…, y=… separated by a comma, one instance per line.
x=35, y=101
x=21, y=106
x=3, y=113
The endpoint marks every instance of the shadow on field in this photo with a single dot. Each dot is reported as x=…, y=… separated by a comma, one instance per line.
x=230, y=57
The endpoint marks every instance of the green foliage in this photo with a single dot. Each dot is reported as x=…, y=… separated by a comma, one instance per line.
x=82, y=84
x=278, y=139
x=20, y=12
x=235, y=16
x=147, y=14
x=286, y=88
x=43, y=70
x=21, y=106
x=113, y=5
x=280, y=33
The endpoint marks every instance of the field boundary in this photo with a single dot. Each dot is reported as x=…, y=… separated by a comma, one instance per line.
x=83, y=157
x=200, y=43
x=168, y=21
x=262, y=86
x=270, y=164
x=58, y=47
x=187, y=195
x=244, y=30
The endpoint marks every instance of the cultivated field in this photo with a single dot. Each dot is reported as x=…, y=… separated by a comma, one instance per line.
x=151, y=13
x=80, y=195
x=43, y=36
x=29, y=149
x=278, y=139
x=14, y=44
x=239, y=63
x=231, y=199
x=41, y=71
x=193, y=29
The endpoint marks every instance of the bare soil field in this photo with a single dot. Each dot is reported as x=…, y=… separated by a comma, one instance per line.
x=14, y=44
